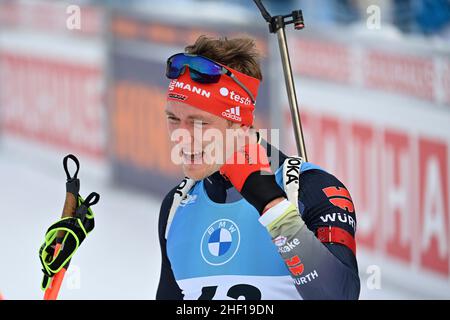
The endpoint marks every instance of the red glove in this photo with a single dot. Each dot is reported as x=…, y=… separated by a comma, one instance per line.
x=249, y=172
x=243, y=163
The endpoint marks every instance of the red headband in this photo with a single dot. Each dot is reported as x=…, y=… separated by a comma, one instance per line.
x=225, y=98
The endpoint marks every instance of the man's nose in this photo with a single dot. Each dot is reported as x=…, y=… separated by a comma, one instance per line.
x=191, y=138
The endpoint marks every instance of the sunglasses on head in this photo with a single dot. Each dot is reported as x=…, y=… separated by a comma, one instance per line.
x=201, y=69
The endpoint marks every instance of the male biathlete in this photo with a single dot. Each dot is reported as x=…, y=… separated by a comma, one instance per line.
x=238, y=226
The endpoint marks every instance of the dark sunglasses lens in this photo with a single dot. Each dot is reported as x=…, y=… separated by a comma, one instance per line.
x=203, y=77
x=172, y=73
x=175, y=65
x=205, y=66
x=202, y=70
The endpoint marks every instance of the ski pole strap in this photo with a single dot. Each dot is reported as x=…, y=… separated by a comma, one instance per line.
x=73, y=183
x=75, y=231
x=83, y=209
x=66, y=169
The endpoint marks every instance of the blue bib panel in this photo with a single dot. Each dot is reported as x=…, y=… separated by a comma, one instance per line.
x=221, y=251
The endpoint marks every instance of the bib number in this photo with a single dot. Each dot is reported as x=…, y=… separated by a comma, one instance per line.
x=245, y=291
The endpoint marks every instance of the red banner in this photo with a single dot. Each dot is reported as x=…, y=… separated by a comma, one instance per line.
x=399, y=183
x=56, y=102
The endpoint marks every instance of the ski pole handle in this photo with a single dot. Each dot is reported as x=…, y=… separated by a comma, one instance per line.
x=70, y=205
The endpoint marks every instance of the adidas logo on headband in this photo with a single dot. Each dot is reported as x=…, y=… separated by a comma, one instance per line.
x=233, y=113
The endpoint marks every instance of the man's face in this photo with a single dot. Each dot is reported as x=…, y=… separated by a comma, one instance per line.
x=200, y=153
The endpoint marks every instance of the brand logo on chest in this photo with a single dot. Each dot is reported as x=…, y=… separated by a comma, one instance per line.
x=220, y=242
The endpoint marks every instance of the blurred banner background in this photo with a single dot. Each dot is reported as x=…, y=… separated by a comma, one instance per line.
x=373, y=83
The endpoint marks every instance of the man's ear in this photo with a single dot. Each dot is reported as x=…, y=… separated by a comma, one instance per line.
x=243, y=130
x=245, y=127
x=250, y=132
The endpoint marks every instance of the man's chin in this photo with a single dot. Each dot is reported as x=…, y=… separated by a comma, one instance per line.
x=198, y=172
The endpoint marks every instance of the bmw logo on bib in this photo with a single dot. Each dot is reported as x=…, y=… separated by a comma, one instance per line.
x=220, y=242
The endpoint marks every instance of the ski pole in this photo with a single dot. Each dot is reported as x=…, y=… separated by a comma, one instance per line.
x=52, y=292
x=70, y=205
x=277, y=25
x=64, y=237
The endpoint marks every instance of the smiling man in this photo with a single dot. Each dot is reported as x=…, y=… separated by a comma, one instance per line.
x=238, y=226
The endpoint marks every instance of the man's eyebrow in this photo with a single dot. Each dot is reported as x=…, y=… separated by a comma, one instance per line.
x=170, y=114
x=198, y=118
x=194, y=117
